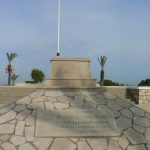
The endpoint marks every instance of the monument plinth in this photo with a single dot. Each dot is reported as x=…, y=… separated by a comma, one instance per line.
x=70, y=73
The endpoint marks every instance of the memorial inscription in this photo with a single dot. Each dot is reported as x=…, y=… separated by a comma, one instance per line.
x=76, y=123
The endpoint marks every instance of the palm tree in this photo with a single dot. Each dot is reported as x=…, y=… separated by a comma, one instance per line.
x=102, y=60
x=13, y=78
x=9, y=69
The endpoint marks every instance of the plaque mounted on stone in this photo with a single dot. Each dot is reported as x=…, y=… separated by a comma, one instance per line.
x=76, y=123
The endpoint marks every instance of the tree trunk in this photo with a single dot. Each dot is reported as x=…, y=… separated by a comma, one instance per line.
x=102, y=78
x=9, y=78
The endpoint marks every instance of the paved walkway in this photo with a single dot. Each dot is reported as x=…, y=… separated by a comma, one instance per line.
x=19, y=122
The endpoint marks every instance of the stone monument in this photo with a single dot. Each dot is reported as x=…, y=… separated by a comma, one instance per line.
x=70, y=73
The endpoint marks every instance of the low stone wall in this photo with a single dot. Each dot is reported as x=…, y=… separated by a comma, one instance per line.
x=140, y=94
x=120, y=91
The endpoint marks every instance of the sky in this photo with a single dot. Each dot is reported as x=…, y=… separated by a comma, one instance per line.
x=118, y=29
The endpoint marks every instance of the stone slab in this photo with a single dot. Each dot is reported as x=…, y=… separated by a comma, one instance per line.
x=76, y=123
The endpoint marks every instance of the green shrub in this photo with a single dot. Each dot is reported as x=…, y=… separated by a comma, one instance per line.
x=37, y=75
x=111, y=83
x=145, y=82
x=30, y=82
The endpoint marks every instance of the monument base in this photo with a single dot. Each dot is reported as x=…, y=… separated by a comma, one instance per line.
x=70, y=73
x=70, y=83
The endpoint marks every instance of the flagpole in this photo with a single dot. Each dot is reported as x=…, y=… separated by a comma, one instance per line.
x=58, y=30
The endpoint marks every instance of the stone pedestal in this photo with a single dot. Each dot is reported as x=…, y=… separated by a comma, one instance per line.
x=70, y=72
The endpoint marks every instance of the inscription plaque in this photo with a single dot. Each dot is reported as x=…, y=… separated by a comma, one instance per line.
x=76, y=123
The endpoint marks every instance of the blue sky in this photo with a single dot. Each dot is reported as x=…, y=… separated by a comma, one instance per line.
x=119, y=29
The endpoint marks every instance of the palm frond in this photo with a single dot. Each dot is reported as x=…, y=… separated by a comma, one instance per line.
x=11, y=56
x=7, y=54
x=102, y=60
x=14, y=77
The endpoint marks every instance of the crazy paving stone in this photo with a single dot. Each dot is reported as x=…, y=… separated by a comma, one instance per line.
x=116, y=113
x=25, y=100
x=26, y=146
x=109, y=96
x=127, y=113
x=61, y=105
x=137, y=111
x=19, y=130
x=147, y=134
x=63, y=144
x=95, y=100
x=142, y=121
x=77, y=103
x=113, y=146
x=148, y=146
x=8, y=146
x=34, y=113
x=99, y=96
x=23, y=114
x=19, y=108
x=65, y=99
x=74, y=139
x=13, y=121
x=114, y=105
x=114, y=139
x=7, y=116
x=36, y=94
x=80, y=97
x=136, y=147
x=40, y=99
x=98, y=143
x=124, y=123
x=134, y=137
x=148, y=115
x=30, y=120
x=29, y=133
x=123, y=103
x=139, y=128
x=72, y=94
x=42, y=143
x=49, y=106
x=36, y=105
x=86, y=93
x=4, y=137
x=54, y=93
x=7, y=128
x=123, y=142
x=7, y=108
x=89, y=105
x=90, y=98
x=83, y=146
x=17, y=140
x=52, y=99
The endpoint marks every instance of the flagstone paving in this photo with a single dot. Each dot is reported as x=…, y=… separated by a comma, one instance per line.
x=18, y=122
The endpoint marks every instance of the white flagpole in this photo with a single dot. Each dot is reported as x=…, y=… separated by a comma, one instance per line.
x=58, y=30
